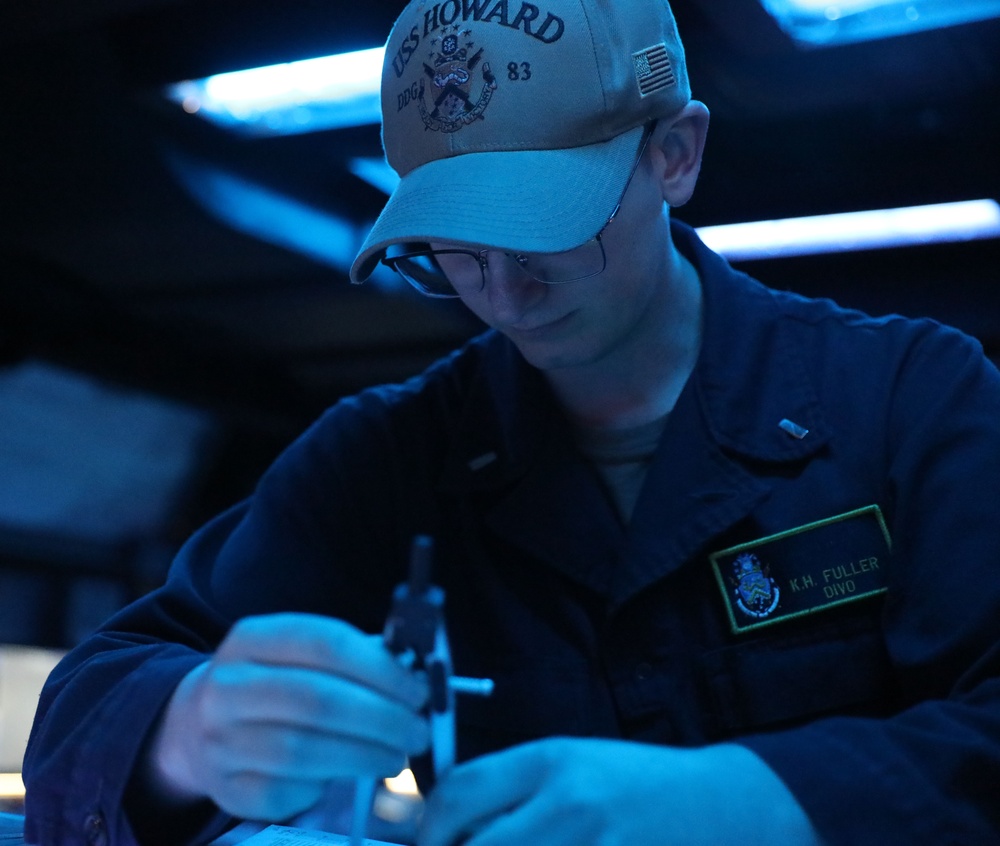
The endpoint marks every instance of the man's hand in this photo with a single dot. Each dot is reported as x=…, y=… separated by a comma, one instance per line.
x=287, y=703
x=613, y=793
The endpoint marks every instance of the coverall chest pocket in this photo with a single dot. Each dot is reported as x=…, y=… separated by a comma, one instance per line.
x=785, y=676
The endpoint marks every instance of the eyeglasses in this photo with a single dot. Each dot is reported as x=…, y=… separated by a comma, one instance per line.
x=446, y=272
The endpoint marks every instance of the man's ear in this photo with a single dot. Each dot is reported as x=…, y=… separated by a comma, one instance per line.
x=678, y=144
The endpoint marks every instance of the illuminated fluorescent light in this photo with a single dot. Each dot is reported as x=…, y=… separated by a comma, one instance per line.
x=328, y=92
x=11, y=786
x=277, y=218
x=866, y=230
x=817, y=23
x=375, y=172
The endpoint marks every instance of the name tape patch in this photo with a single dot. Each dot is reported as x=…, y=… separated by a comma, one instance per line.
x=804, y=570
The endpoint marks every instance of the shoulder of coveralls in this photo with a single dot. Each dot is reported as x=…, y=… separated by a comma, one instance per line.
x=873, y=342
x=443, y=384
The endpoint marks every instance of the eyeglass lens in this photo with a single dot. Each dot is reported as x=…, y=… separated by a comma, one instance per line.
x=446, y=272
x=442, y=273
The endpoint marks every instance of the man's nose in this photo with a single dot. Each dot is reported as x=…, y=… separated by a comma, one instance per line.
x=511, y=290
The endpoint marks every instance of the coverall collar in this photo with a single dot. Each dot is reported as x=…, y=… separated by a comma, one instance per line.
x=742, y=396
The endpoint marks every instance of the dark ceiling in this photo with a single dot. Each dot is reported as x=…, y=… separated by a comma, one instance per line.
x=112, y=268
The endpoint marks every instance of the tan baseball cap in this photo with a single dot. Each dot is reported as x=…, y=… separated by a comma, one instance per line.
x=515, y=125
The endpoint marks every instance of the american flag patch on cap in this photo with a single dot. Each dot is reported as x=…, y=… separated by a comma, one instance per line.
x=653, y=70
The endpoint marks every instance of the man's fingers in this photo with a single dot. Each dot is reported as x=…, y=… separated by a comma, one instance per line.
x=305, y=756
x=296, y=698
x=325, y=644
x=288, y=702
x=254, y=796
x=482, y=790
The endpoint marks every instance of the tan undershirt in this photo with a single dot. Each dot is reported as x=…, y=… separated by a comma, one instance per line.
x=621, y=458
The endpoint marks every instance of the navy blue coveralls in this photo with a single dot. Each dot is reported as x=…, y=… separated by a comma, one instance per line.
x=731, y=606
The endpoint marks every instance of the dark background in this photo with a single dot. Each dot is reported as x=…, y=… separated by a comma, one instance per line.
x=114, y=275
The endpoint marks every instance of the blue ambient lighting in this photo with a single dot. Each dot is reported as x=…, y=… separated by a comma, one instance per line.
x=866, y=230
x=277, y=218
x=818, y=23
x=328, y=92
x=375, y=172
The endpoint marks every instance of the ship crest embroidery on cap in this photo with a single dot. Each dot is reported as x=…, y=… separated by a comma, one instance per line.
x=453, y=72
x=653, y=69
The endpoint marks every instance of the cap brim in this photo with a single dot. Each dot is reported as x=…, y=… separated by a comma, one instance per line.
x=540, y=201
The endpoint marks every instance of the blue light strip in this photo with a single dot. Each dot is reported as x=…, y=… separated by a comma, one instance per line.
x=866, y=230
x=329, y=92
x=818, y=23
x=277, y=218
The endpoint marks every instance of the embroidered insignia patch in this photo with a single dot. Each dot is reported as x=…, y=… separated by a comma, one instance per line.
x=757, y=595
x=804, y=570
x=653, y=70
x=453, y=72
